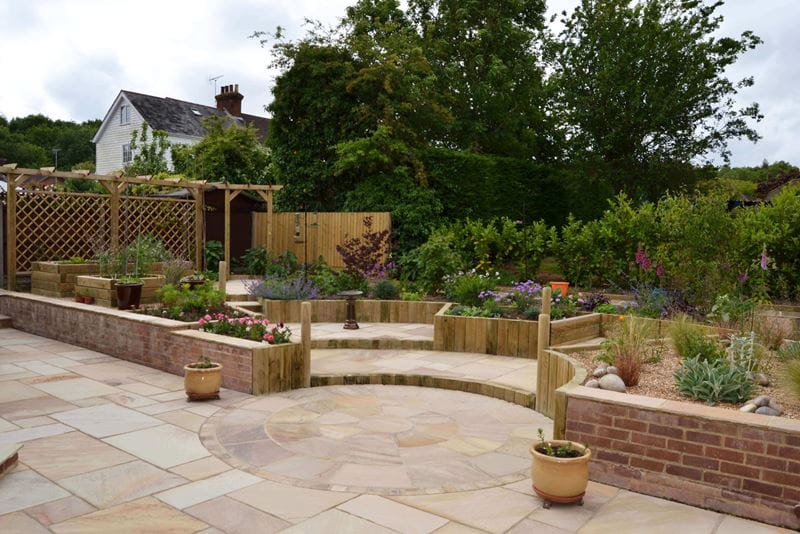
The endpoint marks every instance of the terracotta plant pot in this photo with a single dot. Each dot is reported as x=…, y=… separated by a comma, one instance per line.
x=202, y=384
x=560, y=480
x=88, y=300
x=563, y=287
x=128, y=295
x=78, y=298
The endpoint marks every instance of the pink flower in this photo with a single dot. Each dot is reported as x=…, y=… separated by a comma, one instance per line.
x=270, y=338
x=202, y=321
x=660, y=270
x=207, y=317
x=742, y=278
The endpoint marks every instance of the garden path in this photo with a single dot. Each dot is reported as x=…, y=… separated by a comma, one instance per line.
x=111, y=446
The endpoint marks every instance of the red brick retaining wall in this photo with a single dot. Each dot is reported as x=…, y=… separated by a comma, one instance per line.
x=742, y=464
x=142, y=339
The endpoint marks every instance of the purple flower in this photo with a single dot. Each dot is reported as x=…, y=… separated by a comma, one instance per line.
x=742, y=278
x=764, y=259
x=642, y=260
x=660, y=270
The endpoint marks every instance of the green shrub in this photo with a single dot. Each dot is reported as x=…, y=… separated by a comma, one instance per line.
x=466, y=288
x=472, y=311
x=432, y=261
x=733, y=311
x=713, y=381
x=792, y=377
x=605, y=308
x=563, y=307
x=690, y=340
x=255, y=261
x=214, y=253
x=386, y=290
x=182, y=303
x=325, y=279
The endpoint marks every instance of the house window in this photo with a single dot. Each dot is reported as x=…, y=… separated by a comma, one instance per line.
x=126, y=154
x=124, y=114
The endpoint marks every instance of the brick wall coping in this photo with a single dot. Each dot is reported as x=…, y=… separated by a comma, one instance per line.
x=710, y=413
x=100, y=310
x=225, y=340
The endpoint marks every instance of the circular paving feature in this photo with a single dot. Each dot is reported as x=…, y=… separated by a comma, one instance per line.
x=378, y=439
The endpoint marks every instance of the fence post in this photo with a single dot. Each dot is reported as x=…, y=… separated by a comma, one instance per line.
x=223, y=278
x=305, y=337
x=11, y=231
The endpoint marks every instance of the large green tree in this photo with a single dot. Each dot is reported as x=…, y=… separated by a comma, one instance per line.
x=487, y=61
x=642, y=90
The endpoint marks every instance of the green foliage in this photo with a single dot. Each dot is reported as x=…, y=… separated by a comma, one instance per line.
x=744, y=353
x=792, y=378
x=563, y=307
x=754, y=175
x=76, y=260
x=690, y=340
x=567, y=450
x=466, y=288
x=29, y=141
x=789, y=352
x=255, y=260
x=228, y=152
x=713, y=381
x=432, y=261
x=473, y=311
x=667, y=57
x=733, y=311
x=386, y=290
x=149, y=150
x=605, y=308
x=213, y=253
x=325, y=279
x=174, y=269
x=412, y=296
x=629, y=347
x=184, y=304
x=134, y=260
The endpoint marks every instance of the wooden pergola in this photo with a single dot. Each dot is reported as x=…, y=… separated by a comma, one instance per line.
x=232, y=191
x=34, y=180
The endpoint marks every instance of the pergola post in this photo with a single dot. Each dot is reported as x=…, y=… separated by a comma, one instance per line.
x=11, y=232
x=267, y=197
x=199, y=238
x=114, y=190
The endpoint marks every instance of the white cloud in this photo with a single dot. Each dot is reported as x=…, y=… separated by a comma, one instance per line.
x=68, y=59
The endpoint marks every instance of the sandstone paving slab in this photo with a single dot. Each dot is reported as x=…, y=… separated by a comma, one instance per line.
x=234, y=517
x=75, y=388
x=19, y=523
x=5, y=426
x=393, y=515
x=58, y=511
x=106, y=420
x=200, y=469
x=27, y=434
x=141, y=516
x=339, y=522
x=142, y=389
x=184, y=419
x=632, y=513
x=165, y=445
x=105, y=371
x=737, y=525
x=31, y=422
x=16, y=391
x=289, y=502
x=71, y=454
x=494, y=510
x=26, y=488
x=529, y=526
x=44, y=405
x=458, y=528
x=121, y=483
x=209, y=488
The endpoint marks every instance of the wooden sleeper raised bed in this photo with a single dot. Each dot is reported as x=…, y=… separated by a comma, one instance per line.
x=104, y=292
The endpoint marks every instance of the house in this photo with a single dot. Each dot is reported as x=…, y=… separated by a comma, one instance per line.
x=183, y=122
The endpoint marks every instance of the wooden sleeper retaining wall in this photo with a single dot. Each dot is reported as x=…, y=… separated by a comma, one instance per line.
x=484, y=335
x=367, y=311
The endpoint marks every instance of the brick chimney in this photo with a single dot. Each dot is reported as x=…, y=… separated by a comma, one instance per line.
x=230, y=99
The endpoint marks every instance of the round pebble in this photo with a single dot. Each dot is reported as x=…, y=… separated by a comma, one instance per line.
x=592, y=384
x=612, y=382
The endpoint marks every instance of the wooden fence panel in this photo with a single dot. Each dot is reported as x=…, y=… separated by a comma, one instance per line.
x=311, y=235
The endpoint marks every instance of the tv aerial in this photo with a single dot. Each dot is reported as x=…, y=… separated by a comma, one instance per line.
x=213, y=80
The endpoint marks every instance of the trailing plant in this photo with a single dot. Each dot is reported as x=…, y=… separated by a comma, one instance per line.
x=294, y=287
x=713, y=381
x=567, y=450
x=246, y=328
x=386, y=290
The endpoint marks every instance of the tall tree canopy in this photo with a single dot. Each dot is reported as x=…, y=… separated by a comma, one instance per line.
x=641, y=88
x=29, y=141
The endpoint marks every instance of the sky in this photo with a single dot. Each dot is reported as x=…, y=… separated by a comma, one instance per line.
x=68, y=59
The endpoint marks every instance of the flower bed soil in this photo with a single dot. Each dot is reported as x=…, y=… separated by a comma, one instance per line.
x=657, y=381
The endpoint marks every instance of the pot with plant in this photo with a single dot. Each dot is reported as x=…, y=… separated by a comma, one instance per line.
x=202, y=379
x=193, y=280
x=559, y=470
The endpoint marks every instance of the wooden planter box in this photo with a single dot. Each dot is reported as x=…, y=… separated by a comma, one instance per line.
x=254, y=367
x=57, y=279
x=105, y=294
x=485, y=335
x=367, y=311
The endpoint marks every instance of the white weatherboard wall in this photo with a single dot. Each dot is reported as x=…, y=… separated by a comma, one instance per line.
x=109, y=145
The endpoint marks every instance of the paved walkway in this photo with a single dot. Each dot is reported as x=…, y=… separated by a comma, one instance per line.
x=368, y=331
x=113, y=447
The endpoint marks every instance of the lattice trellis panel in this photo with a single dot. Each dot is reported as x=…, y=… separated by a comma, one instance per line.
x=169, y=220
x=53, y=226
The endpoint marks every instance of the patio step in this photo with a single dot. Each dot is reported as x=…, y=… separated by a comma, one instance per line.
x=8, y=457
x=594, y=343
x=5, y=321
